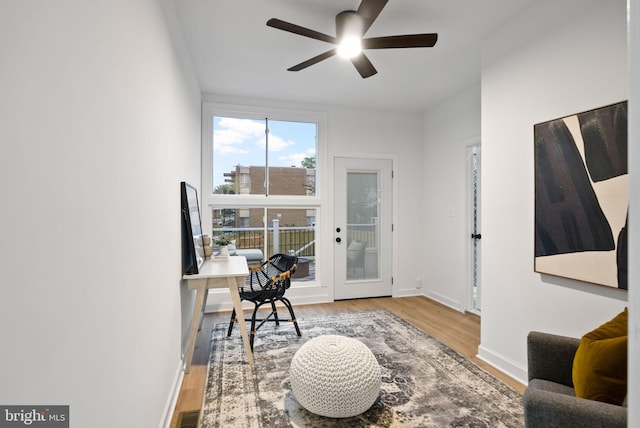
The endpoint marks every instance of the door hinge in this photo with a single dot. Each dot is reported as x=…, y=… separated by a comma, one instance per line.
x=391, y=173
x=391, y=280
x=392, y=227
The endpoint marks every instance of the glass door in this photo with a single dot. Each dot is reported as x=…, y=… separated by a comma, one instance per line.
x=474, y=223
x=363, y=228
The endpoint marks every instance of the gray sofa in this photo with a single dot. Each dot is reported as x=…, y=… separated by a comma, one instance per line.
x=549, y=400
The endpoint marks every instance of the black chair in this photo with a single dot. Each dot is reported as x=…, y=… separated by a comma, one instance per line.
x=267, y=284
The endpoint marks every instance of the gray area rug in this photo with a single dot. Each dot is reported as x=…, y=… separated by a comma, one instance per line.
x=424, y=383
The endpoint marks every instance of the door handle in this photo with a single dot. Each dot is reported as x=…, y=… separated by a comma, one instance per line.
x=476, y=236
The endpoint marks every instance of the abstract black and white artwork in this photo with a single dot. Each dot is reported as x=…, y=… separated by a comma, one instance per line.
x=581, y=196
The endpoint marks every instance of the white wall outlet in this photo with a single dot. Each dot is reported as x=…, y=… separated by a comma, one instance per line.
x=418, y=283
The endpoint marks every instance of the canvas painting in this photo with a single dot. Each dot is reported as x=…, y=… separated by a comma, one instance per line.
x=581, y=196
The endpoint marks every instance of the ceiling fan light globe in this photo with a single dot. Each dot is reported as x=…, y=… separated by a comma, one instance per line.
x=350, y=47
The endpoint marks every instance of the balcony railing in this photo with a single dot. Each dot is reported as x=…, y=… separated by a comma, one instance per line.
x=288, y=240
x=298, y=240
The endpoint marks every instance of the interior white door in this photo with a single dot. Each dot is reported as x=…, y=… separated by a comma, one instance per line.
x=363, y=227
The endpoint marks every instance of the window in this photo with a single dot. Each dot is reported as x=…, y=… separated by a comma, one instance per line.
x=263, y=157
x=287, y=230
x=260, y=180
x=245, y=181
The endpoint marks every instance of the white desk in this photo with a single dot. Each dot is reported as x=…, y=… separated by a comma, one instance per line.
x=231, y=274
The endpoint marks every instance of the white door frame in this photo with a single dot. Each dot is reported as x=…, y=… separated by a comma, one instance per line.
x=329, y=233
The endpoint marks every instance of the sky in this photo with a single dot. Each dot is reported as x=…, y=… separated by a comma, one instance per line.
x=242, y=142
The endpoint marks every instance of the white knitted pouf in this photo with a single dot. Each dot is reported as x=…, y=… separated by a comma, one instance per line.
x=335, y=376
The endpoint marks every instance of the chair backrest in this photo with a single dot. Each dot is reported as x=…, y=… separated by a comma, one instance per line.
x=284, y=262
x=274, y=275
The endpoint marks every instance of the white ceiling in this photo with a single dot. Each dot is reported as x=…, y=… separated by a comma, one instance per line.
x=235, y=53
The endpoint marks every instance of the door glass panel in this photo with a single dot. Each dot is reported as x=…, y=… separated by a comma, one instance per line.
x=362, y=226
x=475, y=228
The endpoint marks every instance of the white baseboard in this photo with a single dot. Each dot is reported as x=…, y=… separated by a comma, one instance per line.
x=220, y=301
x=170, y=406
x=453, y=304
x=505, y=365
x=408, y=292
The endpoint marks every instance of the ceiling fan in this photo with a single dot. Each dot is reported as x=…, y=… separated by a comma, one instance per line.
x=350, y=29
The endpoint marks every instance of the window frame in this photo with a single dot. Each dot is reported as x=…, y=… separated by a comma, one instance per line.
x=212, y=200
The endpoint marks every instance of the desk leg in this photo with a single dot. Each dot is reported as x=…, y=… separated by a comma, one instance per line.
x=237, y=304
x=201, y=289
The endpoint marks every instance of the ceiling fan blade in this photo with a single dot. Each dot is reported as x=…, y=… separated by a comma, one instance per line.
x=314, y=60
x=363, y=65
x=405, y=41
x=303, y=31
x=369, y=11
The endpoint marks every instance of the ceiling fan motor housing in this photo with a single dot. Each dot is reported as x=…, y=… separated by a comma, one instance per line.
x=349, y=23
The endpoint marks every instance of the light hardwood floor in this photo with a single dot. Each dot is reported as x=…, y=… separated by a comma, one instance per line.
x=460, y=331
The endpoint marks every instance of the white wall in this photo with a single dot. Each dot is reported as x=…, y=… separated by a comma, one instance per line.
x=100, y=123
x=449, y=131
x=367, y=132
x=578, y=61
x=357, y=132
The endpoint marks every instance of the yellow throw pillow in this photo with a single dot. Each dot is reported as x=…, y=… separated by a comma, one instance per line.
x=600, y=363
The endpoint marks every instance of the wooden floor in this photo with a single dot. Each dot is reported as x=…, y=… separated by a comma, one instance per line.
x=460, y=331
